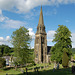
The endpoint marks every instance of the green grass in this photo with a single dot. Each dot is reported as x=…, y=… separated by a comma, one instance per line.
x=46, y=71
x=50, y=72
x=10, y=71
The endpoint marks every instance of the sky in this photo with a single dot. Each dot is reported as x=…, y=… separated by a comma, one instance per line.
x=16, y=13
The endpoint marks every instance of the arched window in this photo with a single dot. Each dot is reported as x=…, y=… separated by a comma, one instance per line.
x=40, y=28
x=42, y=39
x=36, y=55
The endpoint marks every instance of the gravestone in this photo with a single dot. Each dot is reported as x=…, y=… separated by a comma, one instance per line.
x=40, y=68
x=73, y=69
x=58, y=66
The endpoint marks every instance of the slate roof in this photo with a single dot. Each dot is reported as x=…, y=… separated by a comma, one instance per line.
x=48, y=49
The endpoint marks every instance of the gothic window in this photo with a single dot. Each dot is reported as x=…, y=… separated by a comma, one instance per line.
x=40, y=28
x=42, y=54
x=36, y=55
x=42, y=39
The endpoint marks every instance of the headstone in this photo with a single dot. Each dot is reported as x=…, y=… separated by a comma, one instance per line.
x=53, y=69
x=26, y=72
x=73, y=69
x=55, y=65
x=35, y=69
x=58, y=66
x=40, y=68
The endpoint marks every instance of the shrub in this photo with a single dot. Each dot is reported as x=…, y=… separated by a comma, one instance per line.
x=2, y=62
x=65, y=59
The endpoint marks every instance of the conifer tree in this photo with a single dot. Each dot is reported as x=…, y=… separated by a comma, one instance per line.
x=65, y=59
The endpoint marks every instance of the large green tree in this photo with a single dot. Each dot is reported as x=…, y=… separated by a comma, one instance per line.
x=5, y=50
x=21, y=42
x=62, y=39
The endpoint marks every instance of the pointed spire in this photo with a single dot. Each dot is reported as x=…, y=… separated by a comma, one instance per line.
x=41, y=18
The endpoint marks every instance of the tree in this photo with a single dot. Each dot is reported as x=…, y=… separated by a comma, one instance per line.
x=65, y=59
x=6, y=50
x=21, y=42
x=0, y=53
x=62, y=38
x=73, y=51
x=2, y=62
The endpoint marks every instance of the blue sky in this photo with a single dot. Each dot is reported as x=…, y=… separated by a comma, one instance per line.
x=16, y=13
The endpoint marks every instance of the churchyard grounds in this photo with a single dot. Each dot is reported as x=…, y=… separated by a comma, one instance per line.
x=43, y=69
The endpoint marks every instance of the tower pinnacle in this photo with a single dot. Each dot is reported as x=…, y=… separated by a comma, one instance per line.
x=41, y=18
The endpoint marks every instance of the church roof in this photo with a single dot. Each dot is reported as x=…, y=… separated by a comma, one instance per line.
x=48, y=49
x=41, y=18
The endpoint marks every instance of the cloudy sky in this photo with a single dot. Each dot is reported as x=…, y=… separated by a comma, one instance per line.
x=16, y=13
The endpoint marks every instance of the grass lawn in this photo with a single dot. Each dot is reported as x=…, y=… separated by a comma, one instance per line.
x=42, y=71
x=10, y=71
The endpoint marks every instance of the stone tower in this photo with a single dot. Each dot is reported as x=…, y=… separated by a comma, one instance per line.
x=40, y=41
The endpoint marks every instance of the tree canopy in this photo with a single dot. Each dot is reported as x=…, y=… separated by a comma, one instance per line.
x=62, y=39
x=5, y=50
x=21, y=42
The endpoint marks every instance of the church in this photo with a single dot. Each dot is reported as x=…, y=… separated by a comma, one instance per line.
x=41, y=49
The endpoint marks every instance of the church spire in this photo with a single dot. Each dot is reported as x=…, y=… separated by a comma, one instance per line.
x=41, y=18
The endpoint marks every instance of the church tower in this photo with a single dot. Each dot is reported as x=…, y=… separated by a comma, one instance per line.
x=40, y=41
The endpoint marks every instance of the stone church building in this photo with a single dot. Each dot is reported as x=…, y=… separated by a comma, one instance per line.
x=41, y=49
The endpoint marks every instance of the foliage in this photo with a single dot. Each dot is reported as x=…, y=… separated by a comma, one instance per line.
x=62, y=38
x=2, y=62
x=73, y=51
x=74, y=56
x=0, y=52
x=21, y=42
x=65, y=59
x=5, y=50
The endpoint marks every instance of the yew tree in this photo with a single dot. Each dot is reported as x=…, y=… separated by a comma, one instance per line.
x=62, y=39
x=65, y=59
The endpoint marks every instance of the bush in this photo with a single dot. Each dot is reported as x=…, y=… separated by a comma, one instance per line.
x=65, y=60
x=2, y=62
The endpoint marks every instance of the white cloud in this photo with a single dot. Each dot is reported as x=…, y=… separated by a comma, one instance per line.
x=50, y=35
x=13, y=23
x=67, y=21
x=49, y=40
x=1, y=38
x=0, y=11
x=8, y=38
x=9, y=23
x=2, y=18
x=73, y=40
x=22, y=6
x=5, y=41
x=31, y=33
